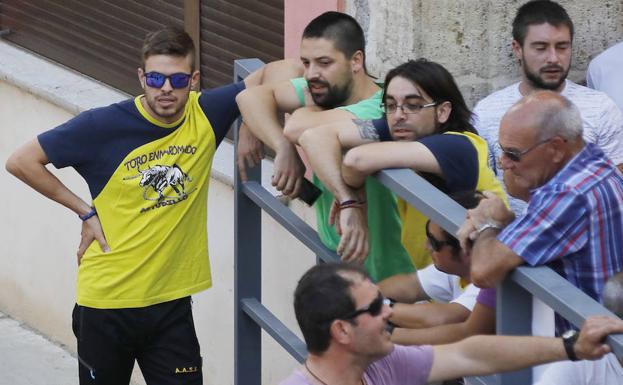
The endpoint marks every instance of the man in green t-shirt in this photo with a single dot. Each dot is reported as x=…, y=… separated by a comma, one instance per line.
x=335, y=86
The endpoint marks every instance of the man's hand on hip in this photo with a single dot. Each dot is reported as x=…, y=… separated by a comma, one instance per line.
x=91, y=230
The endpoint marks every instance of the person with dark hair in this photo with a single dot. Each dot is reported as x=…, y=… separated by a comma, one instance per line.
x=335, y=86
x=446, y=281
x=147, y=163
x=344, y=320
x=426, y=128
x=542, y=44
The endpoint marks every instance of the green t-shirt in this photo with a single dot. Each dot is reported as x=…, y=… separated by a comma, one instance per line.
x=387, y=255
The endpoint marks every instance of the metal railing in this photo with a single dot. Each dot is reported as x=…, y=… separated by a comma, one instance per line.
x=515, y=294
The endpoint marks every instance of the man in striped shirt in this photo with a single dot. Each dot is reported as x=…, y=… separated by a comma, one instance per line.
x=574, y=221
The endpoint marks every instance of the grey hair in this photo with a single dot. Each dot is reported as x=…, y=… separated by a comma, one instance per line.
x=612, y=296
x=561, y=119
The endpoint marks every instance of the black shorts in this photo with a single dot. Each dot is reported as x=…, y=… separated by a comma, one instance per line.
x=161, y=338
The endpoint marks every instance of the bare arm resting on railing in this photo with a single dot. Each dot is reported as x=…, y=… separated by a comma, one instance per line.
x=260, y=107
x=366, y=160
x=324, y=145
x=480, y=355
x=251, y=149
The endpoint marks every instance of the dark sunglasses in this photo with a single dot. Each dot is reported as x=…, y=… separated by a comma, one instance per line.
x=516, y=155
x=156, y=79
x=374, y=308
x=436, y=244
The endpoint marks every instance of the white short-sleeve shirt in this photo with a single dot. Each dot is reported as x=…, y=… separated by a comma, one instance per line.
x=602, y=123
x=446, y=288
x=604, y=73
x=606, y=371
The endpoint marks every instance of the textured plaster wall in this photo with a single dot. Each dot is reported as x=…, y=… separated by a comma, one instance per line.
x=472, y=38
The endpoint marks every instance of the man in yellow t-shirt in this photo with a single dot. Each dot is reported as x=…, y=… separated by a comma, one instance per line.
x=147, y=163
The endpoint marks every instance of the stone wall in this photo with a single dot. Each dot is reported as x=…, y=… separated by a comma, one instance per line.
x=472, y=38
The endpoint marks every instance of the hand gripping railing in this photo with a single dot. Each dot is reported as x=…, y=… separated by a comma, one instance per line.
x=514, y=310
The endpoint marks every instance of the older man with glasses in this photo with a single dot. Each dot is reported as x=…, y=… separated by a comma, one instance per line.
x=542, y=44
x=574, y=219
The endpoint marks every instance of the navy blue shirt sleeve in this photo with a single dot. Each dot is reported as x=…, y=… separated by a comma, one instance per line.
x=67, y=144
x=219, y=106
x=382, y=128
x=457, y=158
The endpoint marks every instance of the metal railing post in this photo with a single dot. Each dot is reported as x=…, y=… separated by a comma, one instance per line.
x=514, y=317
x=514, y=296
x=247, y=262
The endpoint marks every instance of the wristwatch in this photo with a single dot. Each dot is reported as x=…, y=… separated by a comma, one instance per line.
x=568, y=339
x=488, y=225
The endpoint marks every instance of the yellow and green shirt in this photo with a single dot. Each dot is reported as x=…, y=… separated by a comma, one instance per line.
x=387, y=256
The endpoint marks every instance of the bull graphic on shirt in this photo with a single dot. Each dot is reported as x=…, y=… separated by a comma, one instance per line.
x=159, y=177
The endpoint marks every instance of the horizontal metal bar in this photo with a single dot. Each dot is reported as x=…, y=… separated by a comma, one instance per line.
x=493, y=379
x=428, y=199
x=290, y=221
x=567, y=300
x=243, y=67
x=273, y=326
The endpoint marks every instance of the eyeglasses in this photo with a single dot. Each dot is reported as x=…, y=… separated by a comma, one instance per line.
x=156, y=79
x=436, y=244
x=374, y=308
x=408, y=108
x=516, y=155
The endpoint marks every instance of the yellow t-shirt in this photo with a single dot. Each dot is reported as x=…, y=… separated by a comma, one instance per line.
x=149, y=183
x=413, y=231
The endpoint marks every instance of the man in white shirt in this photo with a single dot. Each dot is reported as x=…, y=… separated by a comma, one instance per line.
x=604, y=73
x=446, y=281
x=542, y=43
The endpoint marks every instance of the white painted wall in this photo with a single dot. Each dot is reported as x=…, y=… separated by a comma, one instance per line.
x=39, y=238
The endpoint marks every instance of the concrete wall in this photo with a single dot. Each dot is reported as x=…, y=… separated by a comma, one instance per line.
x=472, y=38
x=39, y=238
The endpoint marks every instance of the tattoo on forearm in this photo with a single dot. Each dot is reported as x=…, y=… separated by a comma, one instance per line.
x=366, y=129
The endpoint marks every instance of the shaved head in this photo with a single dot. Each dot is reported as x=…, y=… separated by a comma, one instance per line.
x=548, y=113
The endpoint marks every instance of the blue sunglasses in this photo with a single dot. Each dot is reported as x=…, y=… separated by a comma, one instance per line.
x=156, y=79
